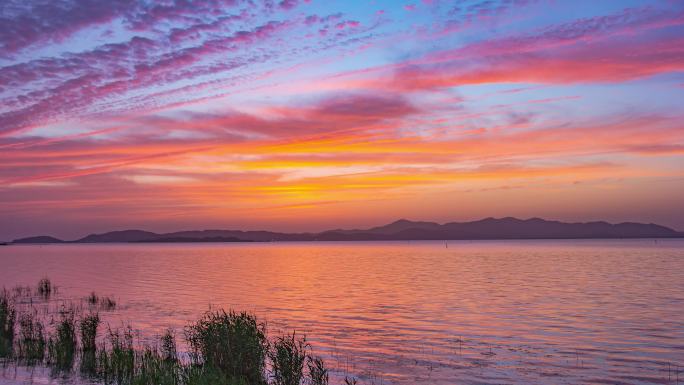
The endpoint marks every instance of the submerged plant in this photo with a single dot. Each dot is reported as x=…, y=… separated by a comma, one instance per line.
x=287, y=359
x=31, y=338
x=62, y=345
x=7, y=318
x=231, y=343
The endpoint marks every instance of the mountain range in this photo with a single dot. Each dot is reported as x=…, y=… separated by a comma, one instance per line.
x=488, y=228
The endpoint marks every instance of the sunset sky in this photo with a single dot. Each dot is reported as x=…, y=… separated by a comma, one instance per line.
x=309, y=115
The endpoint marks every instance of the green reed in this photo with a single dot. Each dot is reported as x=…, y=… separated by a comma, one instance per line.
x=7, y=318
x=62, y=345
x=225, y=347
x=288, y=356
x=232, y=343
x=31, y=344
x=45, y=288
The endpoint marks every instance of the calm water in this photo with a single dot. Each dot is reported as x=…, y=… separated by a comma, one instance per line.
x=557, y=312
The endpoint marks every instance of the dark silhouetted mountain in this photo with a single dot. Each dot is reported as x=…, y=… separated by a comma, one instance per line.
x=190, y=240
x=488, y=228
x=120, y=236
x=38, y=239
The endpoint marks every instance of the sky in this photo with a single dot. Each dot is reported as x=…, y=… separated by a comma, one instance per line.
x=311, y=115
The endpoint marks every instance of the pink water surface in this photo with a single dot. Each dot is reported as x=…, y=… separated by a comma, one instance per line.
x=486, y=312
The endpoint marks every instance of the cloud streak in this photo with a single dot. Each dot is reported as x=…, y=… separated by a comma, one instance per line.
x=294, y=111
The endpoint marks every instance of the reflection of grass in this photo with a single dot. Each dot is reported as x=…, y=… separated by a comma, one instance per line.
x=226, y=348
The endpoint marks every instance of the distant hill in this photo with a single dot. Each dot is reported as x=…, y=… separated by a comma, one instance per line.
x=38, y=239
x=488, y=228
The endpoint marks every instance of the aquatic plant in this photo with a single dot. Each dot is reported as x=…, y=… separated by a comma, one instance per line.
x=31, y=344
x=116, y=364
x=350, y=381
x=107, y=303
x=318, y=373
x=153, y=368
x=203, y=375
x=231, y=343
x=168, y=346
x=88, y=326
x=287, y=356
x=45, y=288
x=226, y=348
x=7, y=318
x=93, y=299
x=62, y=345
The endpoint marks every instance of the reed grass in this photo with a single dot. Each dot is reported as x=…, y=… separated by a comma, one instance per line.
x=93, y=299
x=288, y=356
x=234, y=344
x=318, y=373
x=104, y=303
x=116, y=362
x=225, y=348
x=45, y=288
x=153, y=368
x=7, y=318
x=31, y=344
x=62, y=345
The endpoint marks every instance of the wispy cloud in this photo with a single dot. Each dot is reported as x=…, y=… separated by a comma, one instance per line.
x=295, y=108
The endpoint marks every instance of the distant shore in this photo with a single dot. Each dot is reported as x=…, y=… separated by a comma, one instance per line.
x=401, y=230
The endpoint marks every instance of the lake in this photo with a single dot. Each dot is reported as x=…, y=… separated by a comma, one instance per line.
x=481, y=312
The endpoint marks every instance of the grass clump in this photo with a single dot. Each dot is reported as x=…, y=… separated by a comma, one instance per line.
x=45, y=288
x=88, y=326
x=93, y=299
x=107, y=303
x=62, y=345
x=231, y=346
x=153, y=368
x=168, y=346
x=318, y=373
x=31, y=338
x=116, y=364
x=104, y=303
x=288, y=356
x=7, y=318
